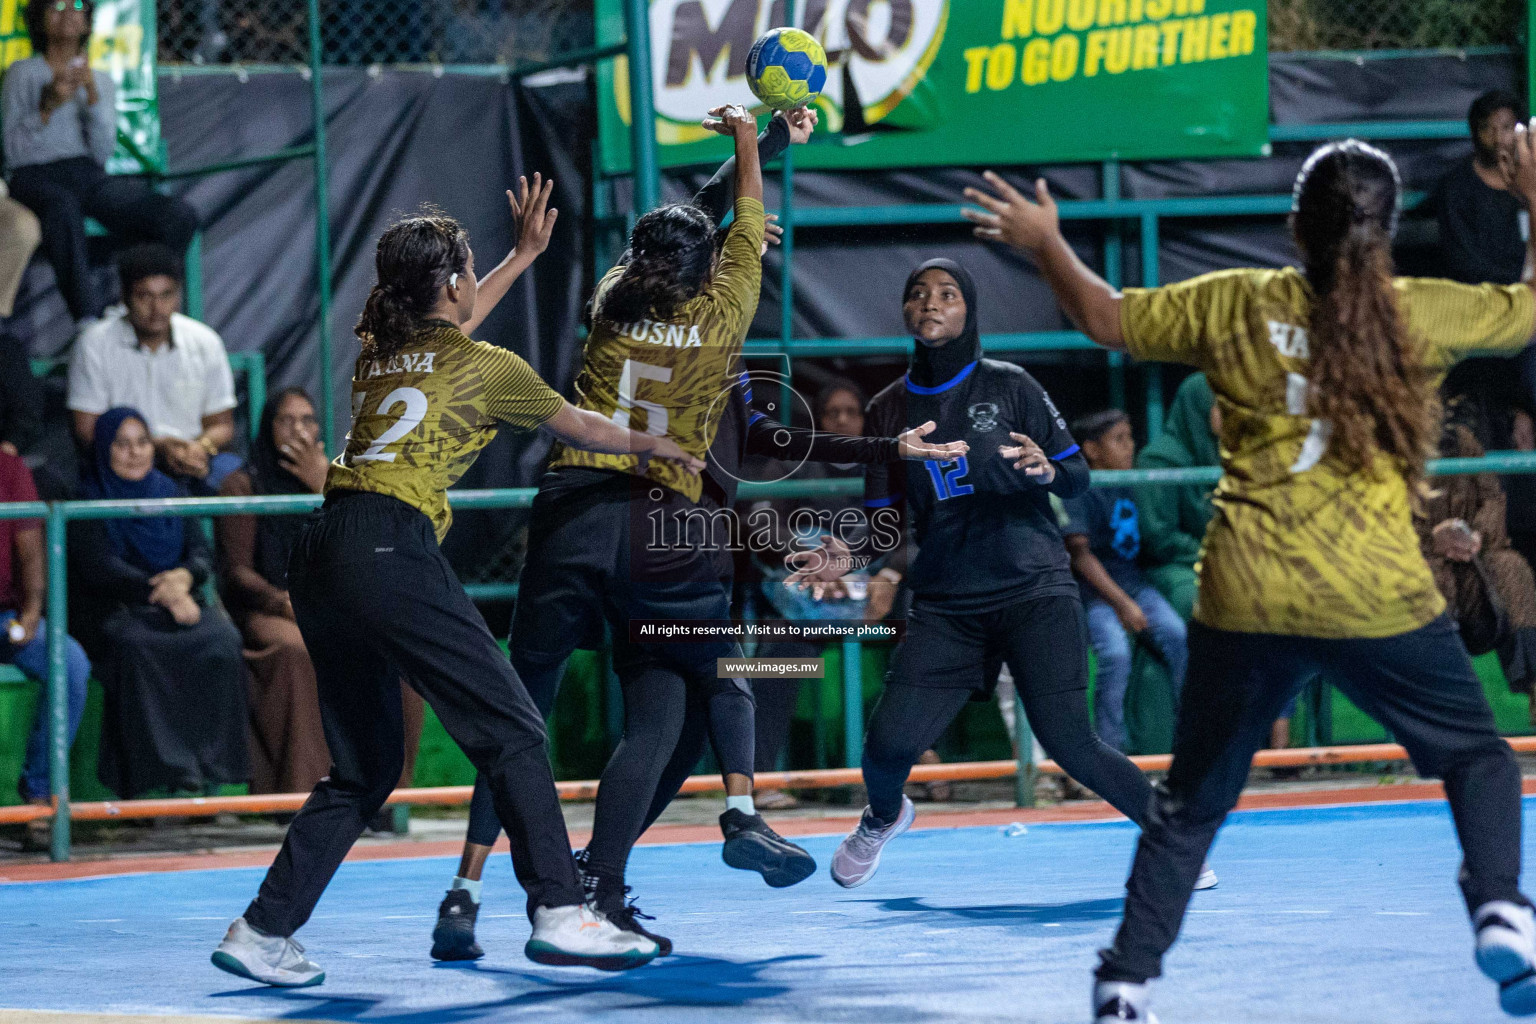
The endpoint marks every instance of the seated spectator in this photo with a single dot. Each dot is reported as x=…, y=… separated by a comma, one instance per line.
x=1103, y=536
x=60, y=130
x=1173, y=518
x=19, y=235
x=839, y=409
x=23, y=590
x=171, y=668
x=1462, y=531
x=288, y=749
x=21, y=399
x=152, y=358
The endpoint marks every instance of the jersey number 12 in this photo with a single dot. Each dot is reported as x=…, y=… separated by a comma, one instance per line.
x=415, y=411
x=946, y=477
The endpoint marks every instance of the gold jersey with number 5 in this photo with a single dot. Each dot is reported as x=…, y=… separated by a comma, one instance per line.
x=422, y=415
x=1302, y=544
x=672, y=379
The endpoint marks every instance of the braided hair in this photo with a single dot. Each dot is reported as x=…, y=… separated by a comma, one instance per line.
x=672, y=253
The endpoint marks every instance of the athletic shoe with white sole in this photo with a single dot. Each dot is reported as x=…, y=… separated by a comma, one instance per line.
x=617, y=907
x=1207, y=879
x=581, y=936
x=269, y=959
x=750, y=845
x=1117, y=1002
x=454, y=936
x=1506, y=952
x=858, y=857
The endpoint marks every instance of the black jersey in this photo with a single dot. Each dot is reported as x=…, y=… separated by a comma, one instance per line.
x=985, y=533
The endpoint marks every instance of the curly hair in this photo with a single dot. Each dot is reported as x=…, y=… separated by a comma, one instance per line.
x=672, y=252
x=416, y=257
x=36, y=15
x=1366, y=373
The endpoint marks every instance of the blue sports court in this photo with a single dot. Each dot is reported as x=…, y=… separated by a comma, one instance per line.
x=1339, y=914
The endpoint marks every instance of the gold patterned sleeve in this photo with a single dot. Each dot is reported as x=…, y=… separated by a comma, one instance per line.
x=1455, y=320
x=515, y=394
x=1184, y=322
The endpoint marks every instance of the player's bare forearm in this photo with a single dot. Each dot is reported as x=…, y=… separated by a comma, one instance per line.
x=594, y=432
x=749, y=170
x=493, y=287
x=1089, y=301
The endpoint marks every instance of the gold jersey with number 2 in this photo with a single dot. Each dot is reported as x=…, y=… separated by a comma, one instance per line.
x=1300, y=544
x=422, y=415
x=672, y=379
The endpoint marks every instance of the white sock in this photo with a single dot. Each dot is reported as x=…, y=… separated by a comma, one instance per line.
x=740, y=803
x=471, y=886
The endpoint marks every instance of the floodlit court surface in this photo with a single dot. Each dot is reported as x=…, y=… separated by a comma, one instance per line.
x=1324, y=914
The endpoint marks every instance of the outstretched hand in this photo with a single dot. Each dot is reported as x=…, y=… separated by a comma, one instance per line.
x=1028, y=456
x=802, y=121
x=1007, y=215
x=535, y=217
x=731, y=119
x=668, y=450
x=910, y=445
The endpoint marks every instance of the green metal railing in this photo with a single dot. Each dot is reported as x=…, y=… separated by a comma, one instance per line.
x=57, y=516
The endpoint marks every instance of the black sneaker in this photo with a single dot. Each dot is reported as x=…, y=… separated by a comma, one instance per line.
x=588, y=880
x=454, y=936
x=751, y=845
x=616, y=906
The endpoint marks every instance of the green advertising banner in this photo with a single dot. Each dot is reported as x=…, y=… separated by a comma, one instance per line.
x=123, y=45
x=922, y=82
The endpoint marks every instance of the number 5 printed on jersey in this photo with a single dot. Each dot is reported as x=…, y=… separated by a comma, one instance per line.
x=629, y=379
x=415, y=411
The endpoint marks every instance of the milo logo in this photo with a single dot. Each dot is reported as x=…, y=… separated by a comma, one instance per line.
x=878, y=49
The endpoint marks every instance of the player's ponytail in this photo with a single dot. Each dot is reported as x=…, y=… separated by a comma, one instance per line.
x=1366, y=375
x=672, y=253
x=416, y=257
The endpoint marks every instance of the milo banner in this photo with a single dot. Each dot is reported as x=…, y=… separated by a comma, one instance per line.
x=123, y=45
x=915, y=82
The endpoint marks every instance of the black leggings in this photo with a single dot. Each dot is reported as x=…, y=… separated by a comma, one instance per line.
x=374, y=597
x=1420, y=685
x=945, y=658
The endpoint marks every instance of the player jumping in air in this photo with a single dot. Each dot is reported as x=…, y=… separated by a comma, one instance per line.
x=1326, y=381
x=375, y=598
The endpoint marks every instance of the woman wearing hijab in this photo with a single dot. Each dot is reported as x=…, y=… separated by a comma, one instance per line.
x=288, y=751
x=171, y=668
x=991, y=580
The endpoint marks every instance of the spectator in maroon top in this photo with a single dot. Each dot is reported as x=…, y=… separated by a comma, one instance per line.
x=25, y=644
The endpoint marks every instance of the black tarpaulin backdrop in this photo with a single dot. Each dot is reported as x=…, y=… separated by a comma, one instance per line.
x=398, y=139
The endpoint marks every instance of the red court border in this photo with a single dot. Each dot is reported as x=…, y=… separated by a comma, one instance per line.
x=1079, y=811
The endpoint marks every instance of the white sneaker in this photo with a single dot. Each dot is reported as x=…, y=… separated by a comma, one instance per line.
x=581, y=936
x=858, y=857
x=1506, y=952
x=1207, y=879
x=1115, y=1002
x=269, y=959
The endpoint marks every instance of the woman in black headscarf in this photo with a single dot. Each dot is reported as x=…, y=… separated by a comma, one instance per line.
x=288, y=750
x=991, y=581
x=175, y=687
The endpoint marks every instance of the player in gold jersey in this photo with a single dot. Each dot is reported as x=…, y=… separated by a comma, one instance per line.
x=1326, y=382
x=375, y=598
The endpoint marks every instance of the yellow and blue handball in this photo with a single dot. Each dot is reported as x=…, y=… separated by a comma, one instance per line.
x=787, y=68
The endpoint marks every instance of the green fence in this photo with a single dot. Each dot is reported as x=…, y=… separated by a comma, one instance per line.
x=58, y=515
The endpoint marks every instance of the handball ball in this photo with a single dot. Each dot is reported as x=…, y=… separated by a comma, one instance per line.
x=787, y=68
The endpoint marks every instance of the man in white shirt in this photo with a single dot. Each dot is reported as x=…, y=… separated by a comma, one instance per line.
x=169, y=367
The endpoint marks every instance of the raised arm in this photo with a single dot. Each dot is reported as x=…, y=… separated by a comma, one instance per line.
x=733, y=120
x=535, y=223
x=1034, y=228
